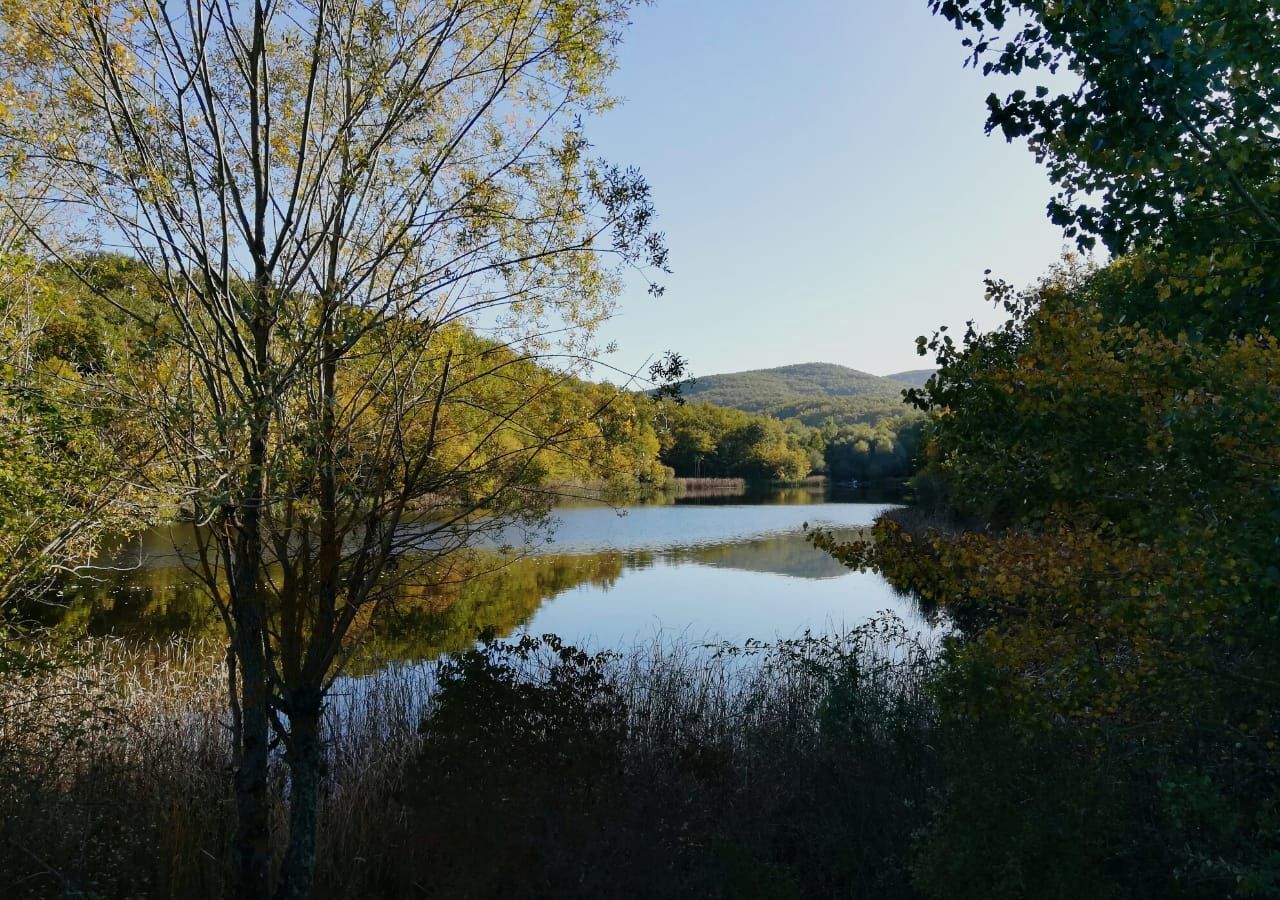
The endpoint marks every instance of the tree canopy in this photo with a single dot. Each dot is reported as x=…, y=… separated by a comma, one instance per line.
x=1108, y=463
x=1171, y=134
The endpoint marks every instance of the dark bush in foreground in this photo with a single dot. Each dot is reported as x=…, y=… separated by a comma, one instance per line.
x=531, y=769
x=546, y=771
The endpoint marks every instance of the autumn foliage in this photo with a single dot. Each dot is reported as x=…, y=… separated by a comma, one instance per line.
x=1109, y=694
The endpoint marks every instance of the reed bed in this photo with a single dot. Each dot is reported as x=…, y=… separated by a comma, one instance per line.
x=522, y=769
x=708, y=487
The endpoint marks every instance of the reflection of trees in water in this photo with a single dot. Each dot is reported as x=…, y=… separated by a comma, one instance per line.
x=431, y=616
x=762, y=494
x=823, y=491
x=444, y=612
x=150, y=603
x=431, y=619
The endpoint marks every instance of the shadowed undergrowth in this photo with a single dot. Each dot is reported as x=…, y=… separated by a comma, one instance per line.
x=521, y=769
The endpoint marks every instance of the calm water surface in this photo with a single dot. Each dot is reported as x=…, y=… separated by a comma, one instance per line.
x=724, y=569
x=717, y=572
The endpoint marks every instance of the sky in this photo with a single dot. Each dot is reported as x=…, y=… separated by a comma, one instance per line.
x=824, y=181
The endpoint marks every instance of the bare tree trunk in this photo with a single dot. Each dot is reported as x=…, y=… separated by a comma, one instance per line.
x=305, y=693
x=251, y=843
x=304, y=757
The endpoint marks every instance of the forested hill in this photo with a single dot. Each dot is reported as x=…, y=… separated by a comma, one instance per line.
x=915, y=377
x=810, y=392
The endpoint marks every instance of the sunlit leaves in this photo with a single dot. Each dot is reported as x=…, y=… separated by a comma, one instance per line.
x=65, y=448
x=701, y=440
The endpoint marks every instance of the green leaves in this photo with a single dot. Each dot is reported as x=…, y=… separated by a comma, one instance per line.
x=62, y=473
x=1165, y=138
x=704, y=441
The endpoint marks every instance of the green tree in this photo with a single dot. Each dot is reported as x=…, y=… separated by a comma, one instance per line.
x=866, y=453
x=1107, y=706
x=1165, y=152
x=62, y=467
x=1118, y=610
x=319, y=193
x=1171, y=131
x=701, y=440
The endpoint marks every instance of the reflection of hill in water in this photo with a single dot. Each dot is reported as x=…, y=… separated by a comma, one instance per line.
x=780, y=556
x=789, y=555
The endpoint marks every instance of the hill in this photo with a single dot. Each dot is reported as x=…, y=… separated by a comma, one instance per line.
x=810, y=392
x=755, y=389
x=915, y=377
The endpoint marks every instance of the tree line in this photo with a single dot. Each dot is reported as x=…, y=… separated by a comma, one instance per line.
x=702, y=440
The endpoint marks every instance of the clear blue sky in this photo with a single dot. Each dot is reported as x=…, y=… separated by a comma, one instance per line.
x=821, y=172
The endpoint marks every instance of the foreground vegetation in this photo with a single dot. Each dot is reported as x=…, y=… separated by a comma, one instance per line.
x=1106, y=472
x=524, y=770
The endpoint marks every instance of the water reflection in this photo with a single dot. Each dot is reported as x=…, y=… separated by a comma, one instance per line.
x=604, y=576
x=788, y=554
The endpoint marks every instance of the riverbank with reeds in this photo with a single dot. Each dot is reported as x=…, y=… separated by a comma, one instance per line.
x=524, y=769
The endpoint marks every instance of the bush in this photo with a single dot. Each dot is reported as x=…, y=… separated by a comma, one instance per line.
x=772, y=771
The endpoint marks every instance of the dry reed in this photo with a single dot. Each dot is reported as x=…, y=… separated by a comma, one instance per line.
x=115, y=769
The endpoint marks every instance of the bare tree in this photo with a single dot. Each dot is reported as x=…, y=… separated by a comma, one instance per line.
x=323, y=190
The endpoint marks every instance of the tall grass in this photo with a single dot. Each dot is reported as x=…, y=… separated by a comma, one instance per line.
x=708, y=486
x=526, y=769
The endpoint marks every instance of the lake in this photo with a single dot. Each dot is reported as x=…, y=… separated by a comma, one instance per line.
x=696, y=570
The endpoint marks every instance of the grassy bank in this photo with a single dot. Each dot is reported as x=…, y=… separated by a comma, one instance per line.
x=526, y=769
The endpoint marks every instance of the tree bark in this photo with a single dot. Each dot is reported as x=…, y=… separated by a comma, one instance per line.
x=251, y=842
x=304, y=757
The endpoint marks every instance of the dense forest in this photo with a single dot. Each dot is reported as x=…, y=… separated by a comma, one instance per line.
x=622, y=441
x=702, y=440
x=764, y=423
